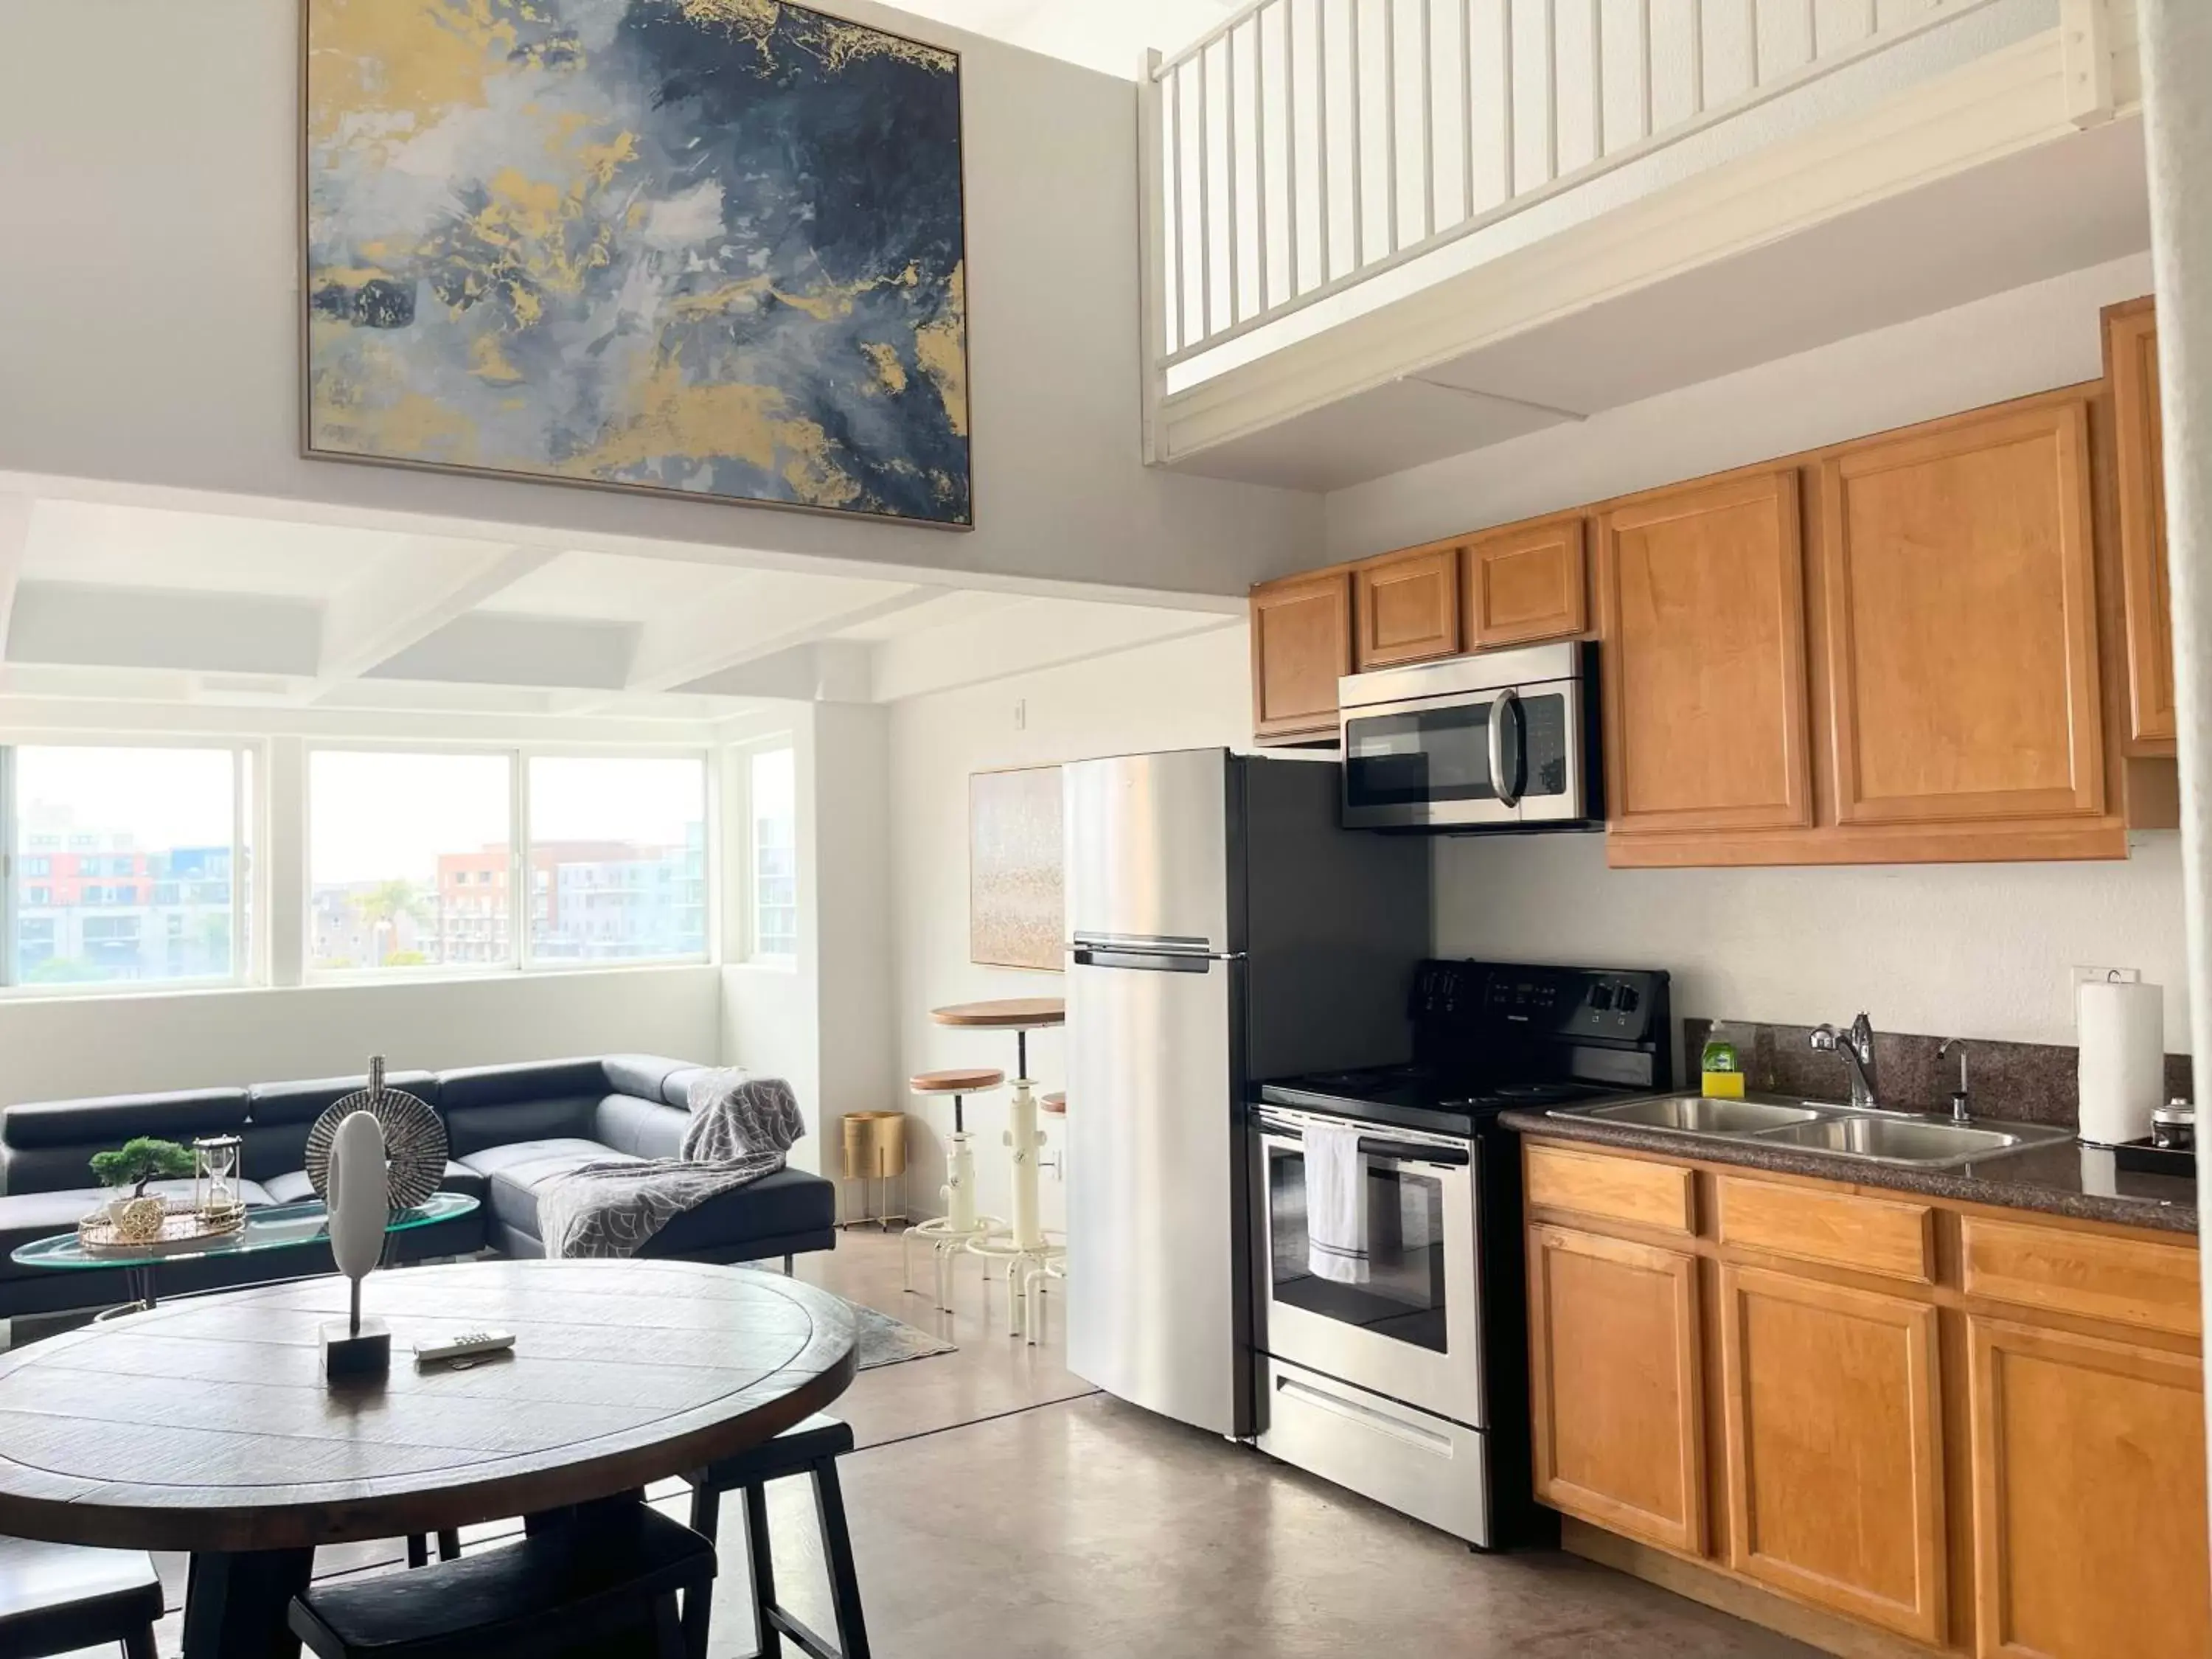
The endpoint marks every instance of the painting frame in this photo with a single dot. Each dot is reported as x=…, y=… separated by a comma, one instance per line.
x=1014, y=792
x=308, y=449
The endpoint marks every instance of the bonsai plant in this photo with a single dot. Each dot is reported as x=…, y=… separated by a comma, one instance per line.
x=137, y=1161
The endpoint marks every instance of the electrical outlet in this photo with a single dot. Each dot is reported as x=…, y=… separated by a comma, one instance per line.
x=1021, y=713
x=2123, y=975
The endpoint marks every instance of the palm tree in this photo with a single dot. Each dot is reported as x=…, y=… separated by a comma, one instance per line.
x=382, y=906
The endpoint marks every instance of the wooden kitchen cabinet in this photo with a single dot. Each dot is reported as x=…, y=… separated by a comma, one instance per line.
x=1702, y=592
x=1301, y=646
x=2131, y=369
x=1619, y=1437
x=1961, y=621
x=1834, y=1467
x=2089, y=1497
x=1405, y=608
x=1526, y=583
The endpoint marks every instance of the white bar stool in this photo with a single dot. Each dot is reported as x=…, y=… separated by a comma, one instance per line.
x=1054, y=1263
x=960, y=1226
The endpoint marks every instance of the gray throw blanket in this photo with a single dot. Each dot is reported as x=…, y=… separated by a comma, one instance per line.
x=741, y=1127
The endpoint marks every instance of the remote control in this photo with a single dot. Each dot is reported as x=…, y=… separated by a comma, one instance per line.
x=464, y=1346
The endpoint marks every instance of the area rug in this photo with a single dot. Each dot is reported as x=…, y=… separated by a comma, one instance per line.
x=888, y=1341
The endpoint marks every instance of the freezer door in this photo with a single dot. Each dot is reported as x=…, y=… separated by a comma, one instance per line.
x=1148, y=840
x=1156, y=1230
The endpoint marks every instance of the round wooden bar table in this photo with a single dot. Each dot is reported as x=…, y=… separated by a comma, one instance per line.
x=206, y=1426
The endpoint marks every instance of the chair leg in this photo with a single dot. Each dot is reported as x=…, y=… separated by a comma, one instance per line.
x=786, y=1266
x=706, y=1508
x=767, y=1642
x=668, y=1638
x=418, y=1550
x=449, y=1544
x=139, y=1644
x=838, y=1551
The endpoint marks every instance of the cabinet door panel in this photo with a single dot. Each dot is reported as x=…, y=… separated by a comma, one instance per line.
x=1962, y=623
x=1406, y=608
x=1835, y=1478
x=1301, y=646
x=2088, y=1481
x=1615, y=1375
x=1704, y=663
x=2131, y=361
x=1527, y=584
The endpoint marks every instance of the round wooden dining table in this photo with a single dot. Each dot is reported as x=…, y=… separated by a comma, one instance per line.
x=206, y=1424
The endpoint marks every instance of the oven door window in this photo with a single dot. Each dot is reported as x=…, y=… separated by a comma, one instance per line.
x=1403, y=1300
x=1412, y=756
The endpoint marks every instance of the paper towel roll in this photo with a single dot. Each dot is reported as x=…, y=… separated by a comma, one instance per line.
x=2122, y=1031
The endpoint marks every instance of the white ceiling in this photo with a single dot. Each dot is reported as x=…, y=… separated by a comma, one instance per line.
x=1110, y=35
x=119, y=600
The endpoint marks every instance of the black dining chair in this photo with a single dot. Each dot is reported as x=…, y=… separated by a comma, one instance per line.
x=56, y=1598
x=607, y=1574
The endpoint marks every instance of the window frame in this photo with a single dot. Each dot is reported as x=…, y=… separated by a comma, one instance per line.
x=521, y=956
x=248, y=836
x=749, y=905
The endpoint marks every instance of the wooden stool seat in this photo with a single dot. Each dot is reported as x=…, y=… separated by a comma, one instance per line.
x=1055, y=1103
x=958, y=1081
x=600, y=1580
x=811, y=1448
x=55, y=1598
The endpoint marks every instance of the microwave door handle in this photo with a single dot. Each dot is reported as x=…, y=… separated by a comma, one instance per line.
x=1504, y=704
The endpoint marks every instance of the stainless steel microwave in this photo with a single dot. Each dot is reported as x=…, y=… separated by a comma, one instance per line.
x=1501, y=740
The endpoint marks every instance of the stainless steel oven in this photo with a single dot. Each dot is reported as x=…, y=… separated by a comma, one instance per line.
x=1411, y=1332
x=1500, y=740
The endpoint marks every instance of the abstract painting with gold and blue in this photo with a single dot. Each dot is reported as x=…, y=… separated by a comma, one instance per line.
x=708, y=246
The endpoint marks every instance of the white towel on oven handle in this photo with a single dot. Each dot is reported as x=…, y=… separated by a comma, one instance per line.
x=1336, y=1204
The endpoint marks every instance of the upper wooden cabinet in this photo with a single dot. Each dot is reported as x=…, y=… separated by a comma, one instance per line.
x=1526, y=583
x=2131, y=365
x=1301, y=646
x=1961, y=625
x=1405, y=608
x=1702, y=591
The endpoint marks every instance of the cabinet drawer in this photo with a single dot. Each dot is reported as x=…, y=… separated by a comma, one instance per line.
x=1873, y=1235
x=2126, y=1280
x=1655, y=1195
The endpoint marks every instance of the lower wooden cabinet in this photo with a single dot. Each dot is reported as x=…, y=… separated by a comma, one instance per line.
x=1620, y=1437
x=2089, y=1496
x=1834, y=1456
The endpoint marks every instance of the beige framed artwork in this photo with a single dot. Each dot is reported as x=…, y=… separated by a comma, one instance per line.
x=1014, y=910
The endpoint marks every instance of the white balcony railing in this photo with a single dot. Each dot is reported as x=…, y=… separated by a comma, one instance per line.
x=1306, y=147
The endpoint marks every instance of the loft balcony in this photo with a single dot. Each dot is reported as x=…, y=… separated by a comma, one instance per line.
x=1380, y=232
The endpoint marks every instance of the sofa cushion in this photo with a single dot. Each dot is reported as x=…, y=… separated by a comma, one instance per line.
x=787, y=1202
x=27, y=1216
x=305, y=1102
x=47, y=1146
x=645, y=1076
x=643, y=1128
x=293, y=1187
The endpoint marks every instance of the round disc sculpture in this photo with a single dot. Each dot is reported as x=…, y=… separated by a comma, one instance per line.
x=413, y=1141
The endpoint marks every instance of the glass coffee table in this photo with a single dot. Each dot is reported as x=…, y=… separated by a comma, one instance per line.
x=273, y=1227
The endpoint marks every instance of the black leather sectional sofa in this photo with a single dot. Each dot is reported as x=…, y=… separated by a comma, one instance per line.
x=509, y=1129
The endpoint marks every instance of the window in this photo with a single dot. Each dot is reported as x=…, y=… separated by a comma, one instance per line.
x=617, y=858
x=123, y=815
x=773, y=793
x=390, y=840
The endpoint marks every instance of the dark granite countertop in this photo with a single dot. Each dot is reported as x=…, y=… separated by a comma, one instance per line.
x=2061, y=1180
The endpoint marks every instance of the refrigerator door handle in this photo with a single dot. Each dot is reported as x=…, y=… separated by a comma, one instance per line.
x=1155, y=962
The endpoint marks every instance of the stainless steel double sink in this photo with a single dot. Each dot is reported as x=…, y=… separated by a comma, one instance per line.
x=1921, y=1140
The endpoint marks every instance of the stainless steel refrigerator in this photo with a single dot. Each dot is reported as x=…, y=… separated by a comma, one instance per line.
x=1222, y=928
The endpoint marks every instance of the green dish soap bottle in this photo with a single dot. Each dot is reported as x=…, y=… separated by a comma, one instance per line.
x=1721, y=1065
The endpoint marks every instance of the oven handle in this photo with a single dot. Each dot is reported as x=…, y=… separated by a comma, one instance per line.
x=1404, y=1151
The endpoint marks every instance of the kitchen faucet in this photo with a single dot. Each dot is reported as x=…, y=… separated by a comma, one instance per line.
x=1856, y=1047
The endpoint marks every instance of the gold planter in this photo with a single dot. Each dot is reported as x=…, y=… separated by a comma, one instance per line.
x=875, y=1151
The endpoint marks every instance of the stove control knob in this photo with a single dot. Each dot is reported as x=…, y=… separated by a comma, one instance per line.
x=1626, y=1000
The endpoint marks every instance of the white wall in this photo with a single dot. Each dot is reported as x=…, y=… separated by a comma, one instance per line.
x=1187, y=693
x=149, y=308
x=1974, y=950
x=63, y=1047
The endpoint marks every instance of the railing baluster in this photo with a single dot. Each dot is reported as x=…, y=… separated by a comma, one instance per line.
x=1260, y=155
x=1205, y=200
x=1597, y=81
x=1428, y=123
x=1751, y=34
x=1290, y=145
x=1697, y=57
x=1233, y=139
x=1358, y=154
x=1551, y=90
x=1390, y=125
x=1465, y=107
x=1644, y=61
x=1506, y=91
x=1812, y=30
x=1320, y=125
x=1175, y=149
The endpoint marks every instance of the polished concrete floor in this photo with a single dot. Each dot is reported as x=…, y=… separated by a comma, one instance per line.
x=1001, y=1509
